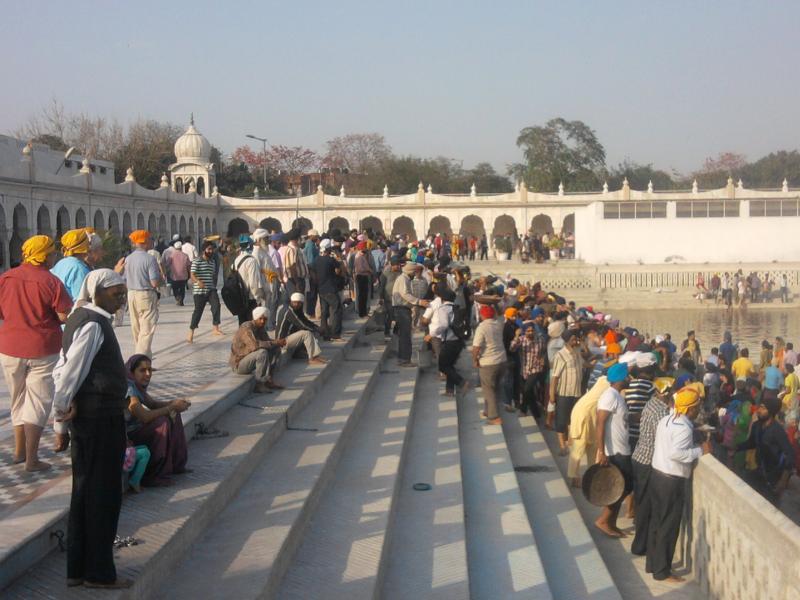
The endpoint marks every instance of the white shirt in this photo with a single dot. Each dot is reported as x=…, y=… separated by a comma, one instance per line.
x=674, y=450
x=250, y=272
x=615, y=436
x=441, y=319
x=73, y=366
x=435, y=303
x=189, y=250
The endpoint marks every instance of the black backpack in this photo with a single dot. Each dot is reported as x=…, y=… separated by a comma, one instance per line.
x=234, y=291
x=460, y=324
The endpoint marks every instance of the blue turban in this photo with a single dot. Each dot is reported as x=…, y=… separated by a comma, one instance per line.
x=617, y=373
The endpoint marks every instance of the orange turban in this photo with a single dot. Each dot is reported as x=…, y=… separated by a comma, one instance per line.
x=140, y=236
x=614, y=348
x=36, y=249
x=75, y=241
x=511, y=313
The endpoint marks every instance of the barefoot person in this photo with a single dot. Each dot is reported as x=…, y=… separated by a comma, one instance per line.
x=90, y=382
x=673, y=455
x=33, y=304
x=204, y=289
x=612, y=442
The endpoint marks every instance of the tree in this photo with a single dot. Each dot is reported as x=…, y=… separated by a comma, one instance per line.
x=53, y=141
x=359, y=153
x=639, y=176
x=487, y=180
x=561, y=151
x=729, y=162
x=148, y=147
x=292, y=160
x=769, y=171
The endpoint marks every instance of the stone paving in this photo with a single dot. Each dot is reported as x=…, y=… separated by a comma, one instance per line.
x=205, y=360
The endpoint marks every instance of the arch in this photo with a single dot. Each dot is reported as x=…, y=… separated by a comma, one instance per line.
x=173, y=225
x=201, y=186
x=209, y=231
x=113, y=222
x=162, y=228
x=80, y=219
x=151, y=224
x=541, y=224
x=271, y=224
x=19, y=234
x=127, y=224
x=191, y=227
x=99, y=221
x=238, y=226
x=179, y=185
x=568, y=225
x=43, y=221
x=214, y=228
x=440, y=224
x=472, y=225
x=140, y=221
x=201, y=232
x=404, y=226
x=505, y=225
x=303, y=224
x=182, y=226
x=373, y=223
x=62, y=221
x=340, y=224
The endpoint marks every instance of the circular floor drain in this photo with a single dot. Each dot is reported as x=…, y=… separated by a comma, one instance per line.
x=422, y=487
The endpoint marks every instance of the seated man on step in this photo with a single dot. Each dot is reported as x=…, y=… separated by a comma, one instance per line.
x=253, y=351
x=293, y=326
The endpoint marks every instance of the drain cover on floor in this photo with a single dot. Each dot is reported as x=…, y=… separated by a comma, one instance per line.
x=533, y=469
x=422, y=487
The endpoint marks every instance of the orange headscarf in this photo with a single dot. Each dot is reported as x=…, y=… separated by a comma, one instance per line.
x=140, y=236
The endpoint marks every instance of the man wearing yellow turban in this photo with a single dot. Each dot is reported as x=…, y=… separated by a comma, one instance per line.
x=30, y=340
x=674, y=452
x=73, y=268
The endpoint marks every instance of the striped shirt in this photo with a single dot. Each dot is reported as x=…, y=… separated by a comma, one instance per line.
x=204, y=270
x=653, y=412
x=568, y=367
x=636, y=396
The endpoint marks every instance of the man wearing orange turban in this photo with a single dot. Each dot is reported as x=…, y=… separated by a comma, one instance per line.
x=73, y=268
x=142, y=276
x=30, y=340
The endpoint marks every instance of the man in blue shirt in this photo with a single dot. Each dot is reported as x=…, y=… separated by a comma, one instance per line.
x=72, y=269
x=311, y=252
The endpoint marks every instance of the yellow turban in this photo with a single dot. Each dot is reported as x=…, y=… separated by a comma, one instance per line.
x=36, y=249
x=511, y=313
x=140, y=236
x=75, y=241
x=686, y=398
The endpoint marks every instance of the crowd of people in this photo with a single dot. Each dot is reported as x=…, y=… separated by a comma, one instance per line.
x=613, y=394
x=738, y=289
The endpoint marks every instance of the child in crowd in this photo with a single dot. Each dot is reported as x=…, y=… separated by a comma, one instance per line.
x=136, y=459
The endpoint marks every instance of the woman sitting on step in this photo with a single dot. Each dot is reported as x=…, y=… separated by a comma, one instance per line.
x=154, y=424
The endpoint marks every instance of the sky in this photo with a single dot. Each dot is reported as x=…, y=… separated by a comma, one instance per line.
x=668, y=83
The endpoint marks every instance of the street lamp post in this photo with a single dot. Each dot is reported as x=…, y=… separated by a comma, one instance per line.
x=264, y=142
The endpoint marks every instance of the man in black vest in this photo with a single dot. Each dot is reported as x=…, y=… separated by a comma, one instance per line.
x=91, y=386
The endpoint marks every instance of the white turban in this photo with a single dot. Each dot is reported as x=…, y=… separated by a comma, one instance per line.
x=325, y=244
x=97, y=279
x=260, y=234
x=259, y=312
x=95, y=241
x=176, y=237
x=177, y=245
x=296, y=297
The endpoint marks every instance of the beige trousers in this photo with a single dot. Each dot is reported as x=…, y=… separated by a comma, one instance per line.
x=30, y=384
x=577, y=450
x=143, y=310
x=294, y=340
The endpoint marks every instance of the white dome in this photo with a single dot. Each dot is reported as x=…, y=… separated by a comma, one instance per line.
x=193, y=146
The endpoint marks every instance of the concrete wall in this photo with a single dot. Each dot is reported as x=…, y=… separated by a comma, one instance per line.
x=742, y=548
x=694, y=240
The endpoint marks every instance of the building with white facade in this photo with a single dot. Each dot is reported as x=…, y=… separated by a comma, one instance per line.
x=41, y=192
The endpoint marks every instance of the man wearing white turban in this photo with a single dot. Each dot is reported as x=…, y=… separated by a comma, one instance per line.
x=90, y=396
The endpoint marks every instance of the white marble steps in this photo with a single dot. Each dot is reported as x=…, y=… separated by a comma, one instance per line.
x=425, y=554
x=340, y=554
x=170, y=519
x=571, y=559
x=502, y=553
x=249, y=546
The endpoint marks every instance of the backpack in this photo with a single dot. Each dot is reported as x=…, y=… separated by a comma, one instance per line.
x=234, y=292
x=460, y=323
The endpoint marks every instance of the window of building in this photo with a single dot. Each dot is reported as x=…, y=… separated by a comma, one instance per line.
x=700, y=209
x=611, y=210
x=634, y=210
x=789, y=208
x=102, y=170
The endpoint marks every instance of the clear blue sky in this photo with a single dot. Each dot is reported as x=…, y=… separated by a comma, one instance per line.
x=663, y=82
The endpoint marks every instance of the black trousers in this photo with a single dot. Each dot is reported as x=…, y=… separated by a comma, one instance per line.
x=247, y=314
x=532, y=398
x=484, y=253
x=179, y=291
x=447, y=363
x=362, y=294
x=200, y=301
x=515, y=373
x=644, y=507
x=330, y=324
x=388, y=317
x=312, y=293
x=98, y=446
x=402, y=316
x=667, y=494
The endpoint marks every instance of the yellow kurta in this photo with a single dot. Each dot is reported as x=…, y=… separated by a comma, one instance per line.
x=583, y=427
